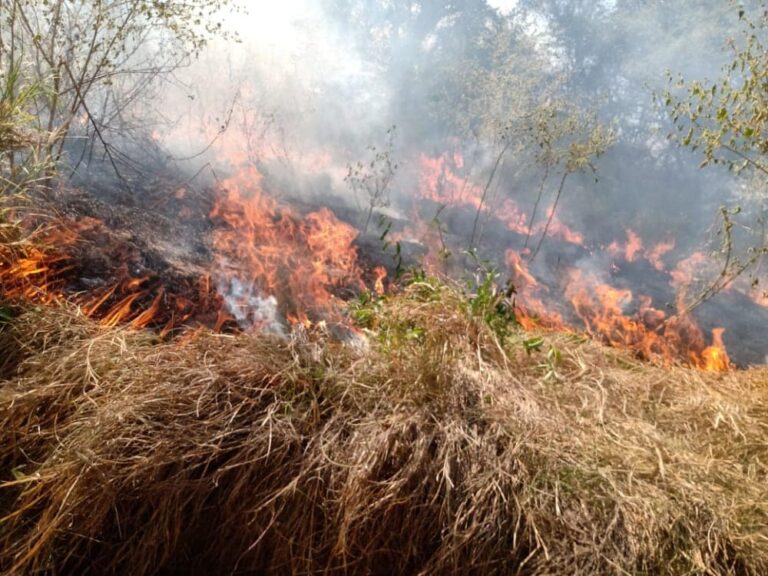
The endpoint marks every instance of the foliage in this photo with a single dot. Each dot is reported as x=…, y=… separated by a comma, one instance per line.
x=491, y=303
x=6, y=314
x=20, y=168
x=502, y=87
x=482, y=299
x=93, y=61
x=727, y=121
x=14, y=100
x=366, y=308
x=370, y=311
x=568, y=140
x=393, y=247
x=19, y=138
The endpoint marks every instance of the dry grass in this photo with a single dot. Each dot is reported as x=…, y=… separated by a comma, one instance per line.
x=433, y=449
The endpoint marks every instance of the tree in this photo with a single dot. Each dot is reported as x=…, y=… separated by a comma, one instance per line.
x=727, y=121
x=570, y=141
x=467, y=78
x=95, y=59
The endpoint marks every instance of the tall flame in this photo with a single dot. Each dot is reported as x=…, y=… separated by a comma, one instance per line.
x=273, y=263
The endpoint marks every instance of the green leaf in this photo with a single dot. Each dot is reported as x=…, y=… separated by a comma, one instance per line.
x=6, y=314
x=533, y=344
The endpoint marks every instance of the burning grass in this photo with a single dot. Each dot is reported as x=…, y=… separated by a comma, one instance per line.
x=429, y=446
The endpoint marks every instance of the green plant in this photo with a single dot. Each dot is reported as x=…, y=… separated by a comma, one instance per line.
x=97, y=60
x=366, y=308
x=550, y=363
x=20, y=164
x=487, y=300
x=387, y=245
x=727, y=122
x=533, y=344
x=6, y=314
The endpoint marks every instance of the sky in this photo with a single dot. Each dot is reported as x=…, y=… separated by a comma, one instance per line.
x=504, y=6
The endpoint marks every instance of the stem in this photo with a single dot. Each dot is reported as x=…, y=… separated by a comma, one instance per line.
x=551, y=216
x=750, y=161
x=368, y=218
x=536, y=207
x=95, y=126
x=485, y=193
x=723, y=279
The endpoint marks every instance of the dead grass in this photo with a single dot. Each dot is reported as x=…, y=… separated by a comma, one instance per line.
x=432, y=449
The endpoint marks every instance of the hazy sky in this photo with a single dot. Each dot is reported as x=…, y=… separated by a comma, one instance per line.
x=503, y=5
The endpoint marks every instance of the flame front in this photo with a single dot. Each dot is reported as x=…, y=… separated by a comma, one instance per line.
x=274, y=265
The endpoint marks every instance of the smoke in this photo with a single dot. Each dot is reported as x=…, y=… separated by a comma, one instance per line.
x=249, y=308
x=292, y=86
x=313, y=86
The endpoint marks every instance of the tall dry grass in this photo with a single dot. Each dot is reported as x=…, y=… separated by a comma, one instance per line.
x=430, y=447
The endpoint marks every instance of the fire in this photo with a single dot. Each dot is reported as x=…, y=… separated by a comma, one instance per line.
x=531, y=311
x=271, y=265
x=687, y=270
x=602, y=309
x=274, y=263
x=55, y=274
x=439, y=182
x=634, y=249
x=656, y=254
x=519, y=270
x=629, y=251
x=614, y=315
x=623, y=321
x=715, y=358
x=379, y=274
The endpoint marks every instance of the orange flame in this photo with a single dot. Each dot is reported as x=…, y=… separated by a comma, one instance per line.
x=268, y=256
x=49, y=276
x=440, y=183
x=715, y=358
x=276, y=264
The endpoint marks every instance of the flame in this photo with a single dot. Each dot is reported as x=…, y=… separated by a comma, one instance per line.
x=618, y=318
x=276, y=265
x=521, y=276
x=656, y=254
x=614, y=315
x=634, y=249
x=629, y=251
x=271, y=262
x=439, y=182
x=715, y=358
x=688, y=269
x=379, y=275
x=52, y=275
x=531, y=311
